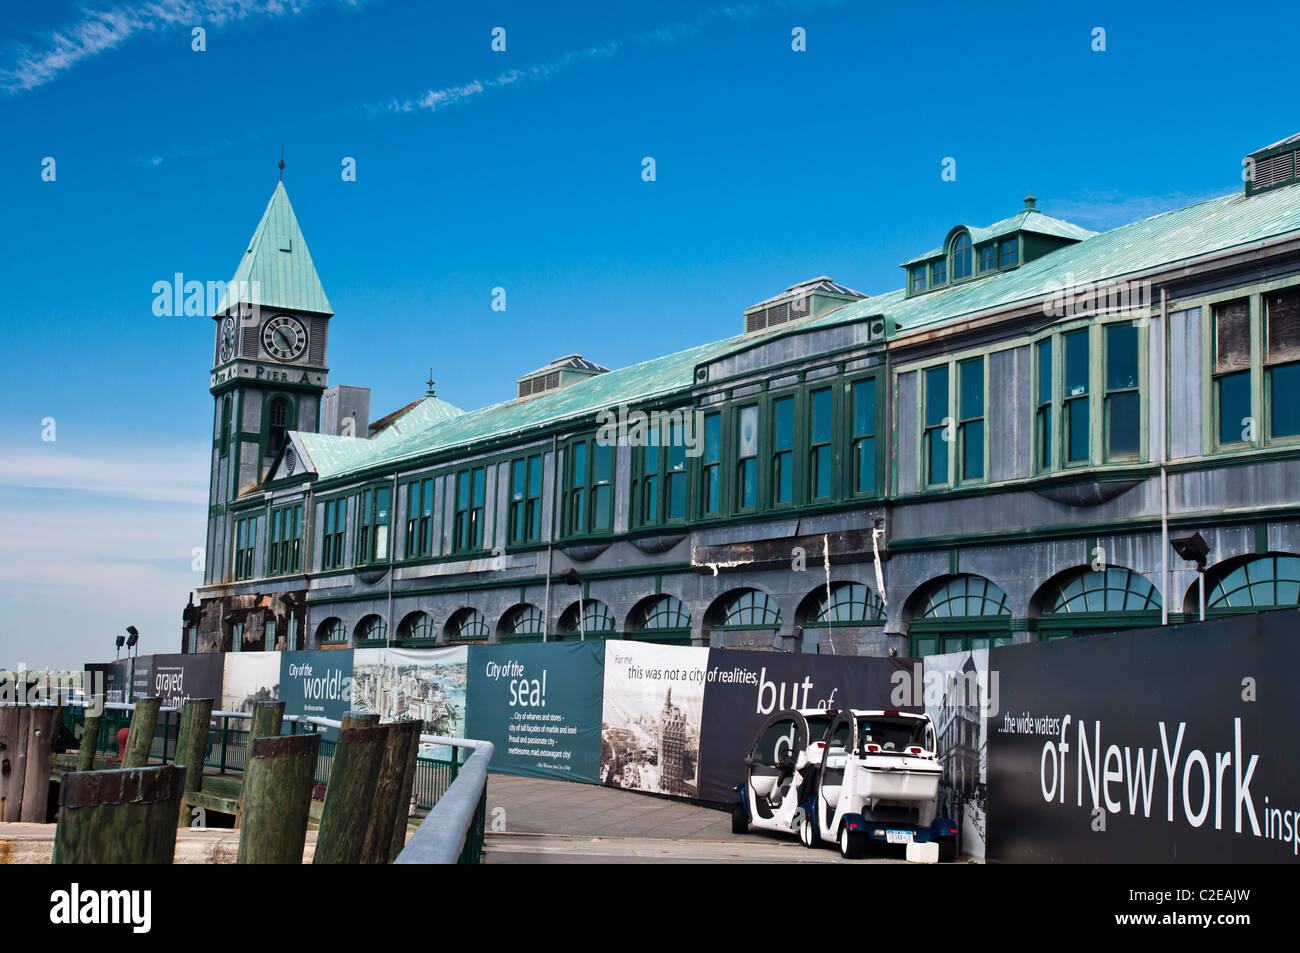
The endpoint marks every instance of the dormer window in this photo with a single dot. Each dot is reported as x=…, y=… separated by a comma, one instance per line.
x=918, y=278
x=1009, y=253
x=961, y=257
x=939, y=273
x=988, y=257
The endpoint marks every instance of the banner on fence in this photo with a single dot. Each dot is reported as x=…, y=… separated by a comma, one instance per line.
x=249, y=678
x=652, y=715
x=960, y=698
x=178, y=677
x=428, y=684
x=317, y=685
x=742, y=688
x=112, y=679
x=540, y=706
x=1154, y=746
x=141, y=676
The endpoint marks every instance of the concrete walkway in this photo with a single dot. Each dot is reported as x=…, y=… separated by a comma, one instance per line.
x=534, y=821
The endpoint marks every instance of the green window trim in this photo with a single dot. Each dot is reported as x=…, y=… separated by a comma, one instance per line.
x=662, y=619
x=864, y=419
x=524, y=515
x=1123, y=354
x=237, y=637
x=226, y=422
x=524, y=624
x=1044, y=378
x=938, y=272
x=467, y=624
x=417, y=627
x=972, y=399
x=279, y=414
x=1257, y=584
x=936, y=418
x=661, y=476
x=374, y=514
x=334, y=521
x=588, y=503
x=748, y=609
x=1280, y=347
x=244, y=548
x=746, y=456
x=597, y=620
x=419, y=518
x=371, y=632
x=284, y=540
x=848, y=604
x=712, y=492
x=821, y=479
x=469, y=508
x=781, y=439
x=332, y=632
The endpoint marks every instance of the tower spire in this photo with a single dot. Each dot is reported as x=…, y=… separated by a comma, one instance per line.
x=282, y=163
x=429, y=392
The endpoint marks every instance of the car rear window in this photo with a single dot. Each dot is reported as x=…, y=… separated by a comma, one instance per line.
x=893, y=735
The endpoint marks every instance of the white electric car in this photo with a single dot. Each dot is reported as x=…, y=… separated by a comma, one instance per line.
x=780, y=771
x=878, y=779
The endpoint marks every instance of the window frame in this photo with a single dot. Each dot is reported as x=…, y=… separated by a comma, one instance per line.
x=663, y=477
x=768, y=451
x=284, y=551
x=419, y=524
x=368, y=523
x=334, y=526
x=738, y=507
x=586, y=492
x=244, y=557
x=528, y=503
x=469, y=525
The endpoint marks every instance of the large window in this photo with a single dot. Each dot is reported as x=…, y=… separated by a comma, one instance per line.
x=467, y=624
x=372, y=630
x=936, y=425
x=848, y=603
x=661, y=619
x=783, y=450
x=1008, y=252
x=526, y=500
x=524, y=624
x=417, y=627
x=864, y=436
x=747, y=609
x=467, y=526
x=970, y=413
x=1264, y=582
x=1232, y=371
x=597, y=620
x=1123, y=400
x=821, y=450
x=1282, y=362
x=277, y=423
x=1043, y=415
x=661, y=490
x=958, y=614
x=334, y=515
x=372, y=524
x=711, y=466
x=918, y=278
x=1098, y=600
x=961, y=257
x=1075, y=400
x=589, y=487
x=225, y=424
x=747, y=457
x=245, y=547
x=419, y=518
x=939, y=272
x=988, y=257
x=284, y=545
x=331, y=632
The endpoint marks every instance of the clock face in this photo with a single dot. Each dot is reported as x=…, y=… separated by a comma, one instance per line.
x=284, y=338
x=228, y=338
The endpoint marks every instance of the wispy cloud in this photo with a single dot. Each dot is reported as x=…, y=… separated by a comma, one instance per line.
x=54, y=52
x=665, y=34
x=169, y=475
x=1103, y=209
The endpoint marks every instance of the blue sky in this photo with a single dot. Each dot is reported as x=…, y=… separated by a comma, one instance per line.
x=519, y=169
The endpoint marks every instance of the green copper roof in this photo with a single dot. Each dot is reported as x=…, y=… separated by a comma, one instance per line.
x=276, y=270
x=1029, y=220
x=1221, y=224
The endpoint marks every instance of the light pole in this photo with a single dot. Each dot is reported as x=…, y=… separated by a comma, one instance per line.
x=1194, y=549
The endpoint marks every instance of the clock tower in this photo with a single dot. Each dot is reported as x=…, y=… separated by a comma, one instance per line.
x=268, y=366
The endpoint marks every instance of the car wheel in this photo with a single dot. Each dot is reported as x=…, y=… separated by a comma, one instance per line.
x=807, y=833
x=947, y=850
x=853, y=844
x=739, y=820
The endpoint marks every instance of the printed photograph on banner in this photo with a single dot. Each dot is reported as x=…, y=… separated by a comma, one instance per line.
x=250, y=677
x=112, y=676
x=957, y=699
x=652, y=716
x=428, y=684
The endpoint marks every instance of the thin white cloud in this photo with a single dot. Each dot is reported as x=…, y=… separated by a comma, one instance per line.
x=53, y=53
x=1104, y=209
x=168, y=475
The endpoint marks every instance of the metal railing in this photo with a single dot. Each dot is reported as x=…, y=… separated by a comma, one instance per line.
x=454, y=830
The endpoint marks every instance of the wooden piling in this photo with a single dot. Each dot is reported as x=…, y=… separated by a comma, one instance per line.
x=9, y=788
x=404, y=806
x=350, y=795
x=124, y=816
x=276, y=799
x=90, y=734
x=267, y=720
x=359, y=719
x=17, y=757
x=144, y=720
x=388, y=792
x=191, y=746
x=40, y=750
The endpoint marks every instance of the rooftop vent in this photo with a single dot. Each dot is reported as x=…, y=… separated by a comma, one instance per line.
x=807, y=299
x=561, y=372
x=1273, y=165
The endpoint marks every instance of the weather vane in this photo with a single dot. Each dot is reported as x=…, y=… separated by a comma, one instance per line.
x=282, y=163
x=429, y=392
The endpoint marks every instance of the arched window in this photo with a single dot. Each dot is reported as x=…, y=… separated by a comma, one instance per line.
x=746, y=609
x=467, y=624
x=961, y=257
x=416, y=627
x=225, y=424
x=523, y=624
x=958, y=614
x=277, y=416
x=661, y=619
x=1266, y=582
x=849, y=603
x=1097, y=601
x=597, y=620
x=332, y=630
x=371, y=628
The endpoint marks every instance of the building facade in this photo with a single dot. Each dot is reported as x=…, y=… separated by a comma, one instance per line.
x=1016, y=445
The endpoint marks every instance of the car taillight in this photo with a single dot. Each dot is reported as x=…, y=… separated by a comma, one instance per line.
x=873, y=749
x=891, y=713
x=953, y=831
x=821, y=744
x=914, y=750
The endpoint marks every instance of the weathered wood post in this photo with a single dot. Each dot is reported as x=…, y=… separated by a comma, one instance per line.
x=359, y=719
x=276, y=799
x=349, y=797
x=40, y=749
x=124, y=816
x=8, y=753
x=140, y=740
x=191, y=746
x=267, y=720
x=90, y=734
x=404, y=805
x=17, y=756
x=388, y=792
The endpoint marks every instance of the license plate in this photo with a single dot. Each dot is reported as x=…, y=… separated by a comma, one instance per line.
x=898, y=837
